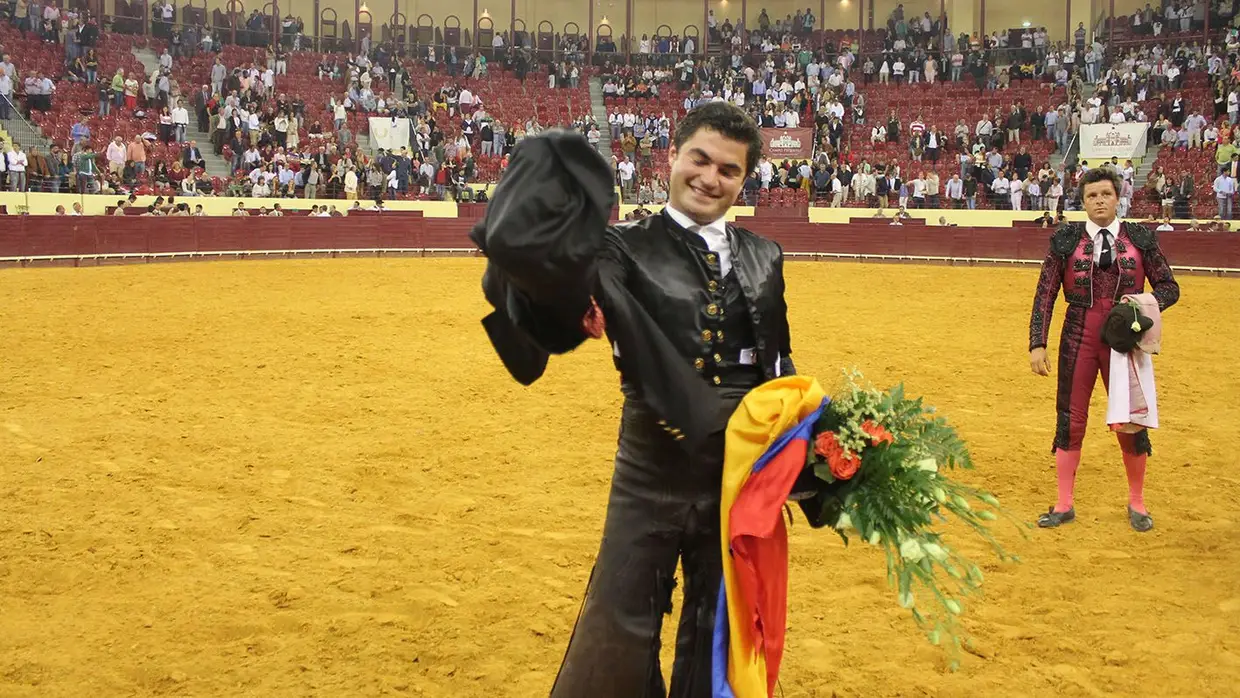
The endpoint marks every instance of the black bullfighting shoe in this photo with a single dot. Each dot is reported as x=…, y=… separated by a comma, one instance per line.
x=1054, y=519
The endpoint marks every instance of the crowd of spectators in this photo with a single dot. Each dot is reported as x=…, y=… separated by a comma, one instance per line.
x=784, y=72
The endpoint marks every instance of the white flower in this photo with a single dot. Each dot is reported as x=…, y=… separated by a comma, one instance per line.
x=911, y=550
x=935, y=551
x=844, y=523
x=1136, y=326
x=928, y=464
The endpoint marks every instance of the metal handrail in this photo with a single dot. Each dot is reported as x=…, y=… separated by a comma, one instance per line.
x=25, y=133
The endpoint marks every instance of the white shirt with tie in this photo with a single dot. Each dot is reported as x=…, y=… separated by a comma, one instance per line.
x=1095, y=233
x=715, y=234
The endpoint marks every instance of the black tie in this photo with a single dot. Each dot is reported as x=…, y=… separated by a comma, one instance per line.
x=1104, y=260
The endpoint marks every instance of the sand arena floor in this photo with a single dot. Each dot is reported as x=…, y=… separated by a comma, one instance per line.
x=313, y=478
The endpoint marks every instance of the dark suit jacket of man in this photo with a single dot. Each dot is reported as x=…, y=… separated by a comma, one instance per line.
x=191, y=157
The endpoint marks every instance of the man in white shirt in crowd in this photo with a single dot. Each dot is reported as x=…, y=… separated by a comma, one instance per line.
x=1224, y=192
x=16, y=161
x=1016, y=190
x=1001, y=188
x=626, y=170
x=766, y=172
x=116, y=155
x=955, y=191
x=919, y=190
x=1194, y=124
x=6, y=93
x=180, y=120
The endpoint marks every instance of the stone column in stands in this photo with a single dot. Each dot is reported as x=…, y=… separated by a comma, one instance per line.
x=962, y=16
x=1080, y=11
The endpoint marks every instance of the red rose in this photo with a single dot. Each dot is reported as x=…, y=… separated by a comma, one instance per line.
x=878, y=435
x=825, y=444
x=843, y=465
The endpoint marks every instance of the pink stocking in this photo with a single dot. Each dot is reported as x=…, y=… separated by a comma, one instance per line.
x=1066, y=463
x=1134, y=464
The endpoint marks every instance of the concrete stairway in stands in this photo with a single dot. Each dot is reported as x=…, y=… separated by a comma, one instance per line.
x=217, y=166
x=600, y=115
x=25, y=134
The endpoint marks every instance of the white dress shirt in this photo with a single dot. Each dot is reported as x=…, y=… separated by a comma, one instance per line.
x=1094, y=231
x=715, y=234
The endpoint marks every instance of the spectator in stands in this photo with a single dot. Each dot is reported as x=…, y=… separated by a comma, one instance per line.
x=1184, y=195
x=1053, y=194
x=40, y=90
x=91, y=63
x=135, y=153
x=955, y=191
x=1224, y=191
x=166, y=128
x=38, y=172
x=6, y=93
x=116, y=154
x=191, y=157
x=16, y=161
x=918, y=189
x=626, y=171
x=180, y=120
x=160, y=175
x=313, y=177
x=350, y=182
x=131, y=88
x=62, y=169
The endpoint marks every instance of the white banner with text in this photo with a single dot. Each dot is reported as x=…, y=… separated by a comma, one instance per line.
x=1106, y=141
x=389, y=133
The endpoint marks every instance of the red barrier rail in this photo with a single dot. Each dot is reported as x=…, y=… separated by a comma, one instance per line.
x=87, y=236
x=27, y=238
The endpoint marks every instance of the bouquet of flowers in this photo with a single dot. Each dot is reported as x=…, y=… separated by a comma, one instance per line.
x=880, y=460
x=868, y=464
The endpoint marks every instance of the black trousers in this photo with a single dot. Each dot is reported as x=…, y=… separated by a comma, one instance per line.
x=663, y=507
